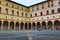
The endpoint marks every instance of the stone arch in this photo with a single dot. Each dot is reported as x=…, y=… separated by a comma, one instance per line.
x=17, y=25
x=56, y=24
x=22, y=24
x=26, y=26
x=50, y=24
x=0, y=24
x=5, y=25
x=44, y=25
x=38, y=25
x=12, y=25
x=29, y=25
x=33, y=25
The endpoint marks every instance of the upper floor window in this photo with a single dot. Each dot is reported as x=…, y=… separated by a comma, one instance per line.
x=22, y=14
x=42, y=7
x=47, y=12
x=37, y=7
x=12, y=6
x=41, y=13
x=17, y=13
x=6, y=4
x=48, y=4
x=17, y=7
x=0, y=9
x=12, y=12
x=30, y=15
x=32, y=9
x=6, y=11
x=59, y=2
x=52, y=11
x=0, y=2
x=26, y=14
x=22, y=9
x=35, y=14
x=52, y=3
x=58, y=10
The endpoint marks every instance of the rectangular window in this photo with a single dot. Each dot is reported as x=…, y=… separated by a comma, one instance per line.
x=12, y=12
x=17, y=13
x=6, y=11
x=52, y=3
x=0, y=2
x=59, y=2
x=48, y=4
x=6, y=4
x=0, y=9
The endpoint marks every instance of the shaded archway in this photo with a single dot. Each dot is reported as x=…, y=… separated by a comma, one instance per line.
x=22, y=24
x=50, y=24
x=26, y=26
x=33, y=25
x=17, y=25
x=29, y=25
x=38, y=25
x=0, y=24
x=57, y=24
x=11, y=25
x=5, y=25
x=44, y=25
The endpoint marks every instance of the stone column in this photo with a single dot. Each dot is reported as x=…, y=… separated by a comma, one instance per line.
x=19, y=26
x=14, y=26
x=46, y=24
x=27, y=26
x=24, y=26
x=9, y=26
x=2, y=26
x=31, y=26
x=53, y=26
x=36, y=26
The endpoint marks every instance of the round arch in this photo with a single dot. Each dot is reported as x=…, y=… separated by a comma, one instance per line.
x=26, y=26
x=50, y=24
x=29, y=25
x=44, y=25
x=5, y=25
x=0, y=24
x=12, y=25
x=34, y=25
x=17, y=25
x=38, y=25
x=57, y=24
x=22, y=24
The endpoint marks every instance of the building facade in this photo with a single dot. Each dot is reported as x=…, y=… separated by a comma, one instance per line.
x=44, y=15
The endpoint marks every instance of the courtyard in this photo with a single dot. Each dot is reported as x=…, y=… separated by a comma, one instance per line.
x=34, y=35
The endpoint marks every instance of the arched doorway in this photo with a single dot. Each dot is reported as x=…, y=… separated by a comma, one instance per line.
x=33, y=25
x=57, y=24
x=17, y=25
x=50, y=24
x=44, y=25
x=38, y=26
x=22, y=25
x=0, y=24
x=25, y=26
x=5, y=25
x=11, y=25
x=29, y=25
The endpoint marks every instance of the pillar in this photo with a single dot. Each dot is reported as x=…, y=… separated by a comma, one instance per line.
x=53, y=26
x=24, y=26
x=36, y=26
x=2, y=26
x=14, y=26
x=19, y=26
x=9, y=26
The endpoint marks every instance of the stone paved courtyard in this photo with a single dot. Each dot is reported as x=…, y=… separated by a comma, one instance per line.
x=35, y=35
